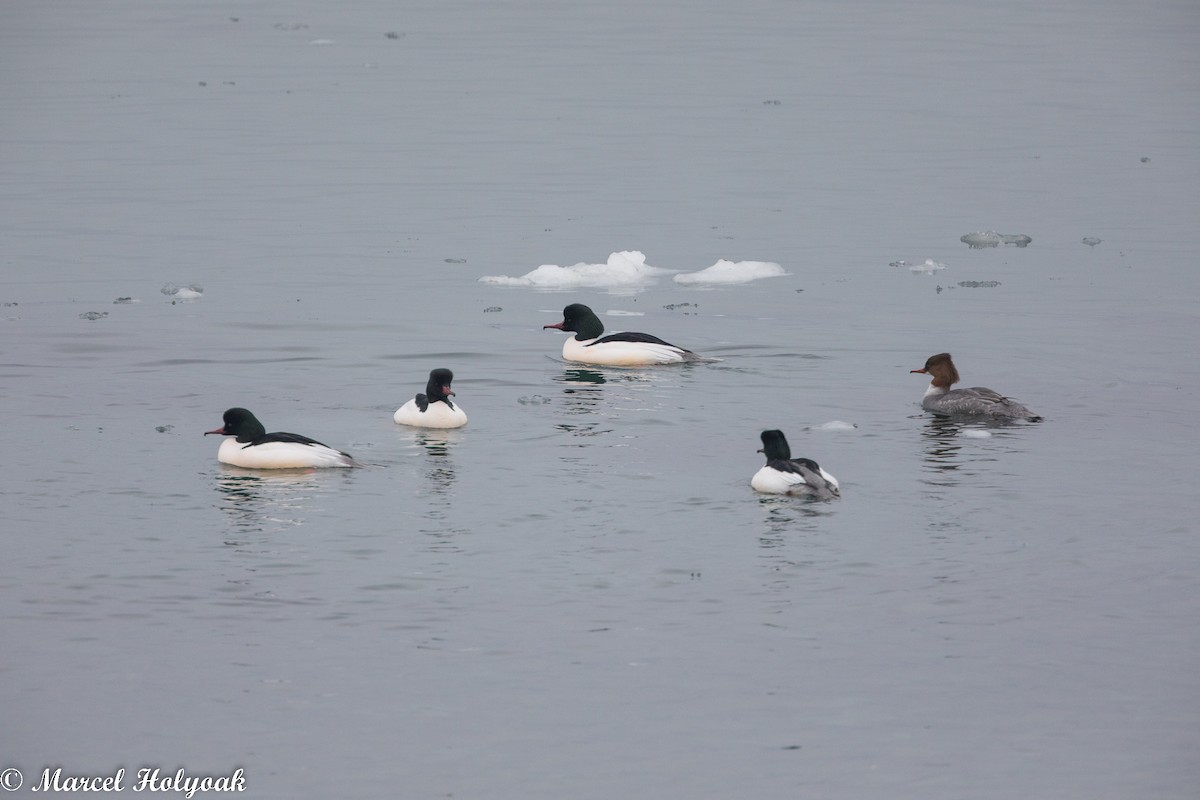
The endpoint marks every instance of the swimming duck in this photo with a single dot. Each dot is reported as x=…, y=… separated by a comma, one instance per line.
x=978, y=401
x=433, y=409
x=627, y=349
x=783, y=474
x=251, y=446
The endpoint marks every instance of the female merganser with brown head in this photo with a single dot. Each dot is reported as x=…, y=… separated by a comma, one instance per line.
x=978, y=401
x=433, y=409
x=786, y=475
x=252, y=447
x=590, y=346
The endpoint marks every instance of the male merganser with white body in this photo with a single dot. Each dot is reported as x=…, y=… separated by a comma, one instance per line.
x=433, y=409
x=589, y=346
x=796, y=476
x=978, y=401
x=254, y=448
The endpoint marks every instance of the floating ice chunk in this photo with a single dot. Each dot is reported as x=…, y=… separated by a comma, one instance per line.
x=976, y=433
x=193, y=292
x=624, y=270
x=927, y=268
x=981, y=239
x=1091, y=241
x=835, y=425
x=726, y=272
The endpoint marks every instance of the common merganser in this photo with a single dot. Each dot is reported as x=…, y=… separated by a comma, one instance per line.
x=254, y=448
x=589, y=346
x=978, y=401
x=786, y=475
x=433, y=409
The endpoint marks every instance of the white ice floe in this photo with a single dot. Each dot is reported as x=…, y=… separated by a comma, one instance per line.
x=193, y=292
x=835, y=425
x=976, y=433
x=624, y=270
x=981, y=239
x=927, y=267
x=726, y=272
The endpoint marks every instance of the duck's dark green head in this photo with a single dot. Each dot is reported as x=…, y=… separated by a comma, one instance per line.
x=580, y=320
x=775, y=446
x=240, y=423
x=438, y=387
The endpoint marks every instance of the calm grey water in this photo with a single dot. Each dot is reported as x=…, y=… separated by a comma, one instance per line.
x=578, y=596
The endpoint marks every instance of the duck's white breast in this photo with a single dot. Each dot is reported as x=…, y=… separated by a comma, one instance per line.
x=621, y=354
x=437, y=415
x=280, y=455
x=769, y=480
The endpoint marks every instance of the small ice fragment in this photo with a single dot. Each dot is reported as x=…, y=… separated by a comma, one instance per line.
x=976, y=433
x=1091, y=241
x=928, y=268
x=835, y=425
x=729, y=272
x=92, y=316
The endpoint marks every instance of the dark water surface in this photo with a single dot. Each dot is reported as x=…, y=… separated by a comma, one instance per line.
x=578, y=595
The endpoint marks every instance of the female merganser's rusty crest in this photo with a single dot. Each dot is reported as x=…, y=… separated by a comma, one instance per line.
x=978, y=401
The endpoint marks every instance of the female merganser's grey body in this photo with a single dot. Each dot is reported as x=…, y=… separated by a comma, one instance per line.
x=433, y=409
x=627, y=349
x=978, y=401
x=251, y=446
x=786, y=475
